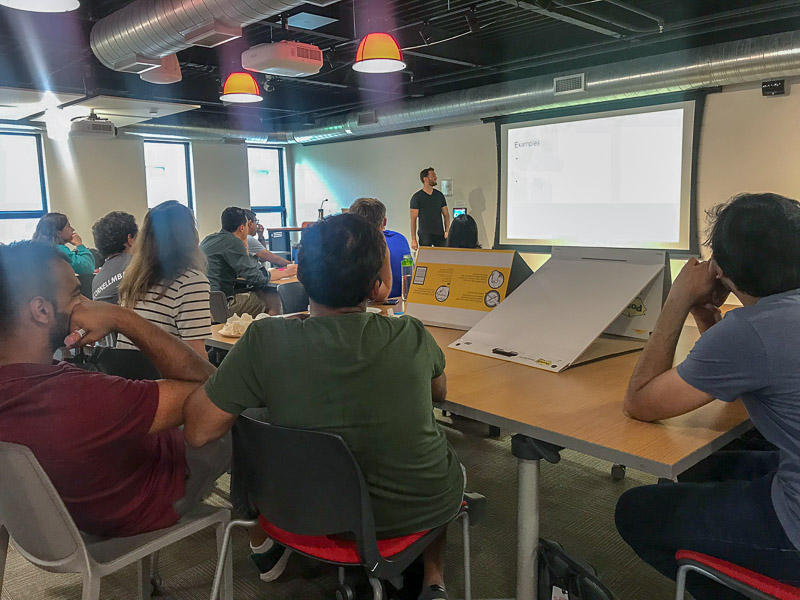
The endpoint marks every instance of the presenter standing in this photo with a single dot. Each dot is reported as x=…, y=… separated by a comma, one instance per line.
x=430, y=207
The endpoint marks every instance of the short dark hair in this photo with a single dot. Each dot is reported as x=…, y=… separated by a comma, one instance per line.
x=250, y=214
x=25, y=273
x=463, y=233
x=424, y=173
x=371, y=209
x=232, y=218
x=339, y=260
x=111, y=232
x=755, y=240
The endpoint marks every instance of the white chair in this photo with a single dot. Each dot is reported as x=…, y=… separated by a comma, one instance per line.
x=43, y=531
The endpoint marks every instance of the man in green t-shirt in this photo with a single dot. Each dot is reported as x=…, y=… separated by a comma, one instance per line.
x=368, y=378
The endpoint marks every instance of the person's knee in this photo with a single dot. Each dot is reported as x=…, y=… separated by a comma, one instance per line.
x=632, y=516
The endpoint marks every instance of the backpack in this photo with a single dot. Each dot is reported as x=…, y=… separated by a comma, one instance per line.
x=576, y=577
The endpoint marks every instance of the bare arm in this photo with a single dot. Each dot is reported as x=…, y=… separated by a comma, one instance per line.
x=446, y=215
x=656, y=391
x=267, y=256
x=181, y=367
x=439, y=389
x=204, y=422
x=414, y=217
x=198, y=346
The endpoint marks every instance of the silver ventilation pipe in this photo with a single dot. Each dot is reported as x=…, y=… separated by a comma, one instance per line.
x=741, y=61
x=135, y=38
x=211, y=133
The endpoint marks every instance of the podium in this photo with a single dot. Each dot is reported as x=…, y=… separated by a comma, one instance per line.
x=581, y=305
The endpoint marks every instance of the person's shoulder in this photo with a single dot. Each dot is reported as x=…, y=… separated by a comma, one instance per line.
x=190, y=276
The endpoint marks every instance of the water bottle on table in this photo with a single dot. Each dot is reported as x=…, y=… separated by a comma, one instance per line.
x=406, y=270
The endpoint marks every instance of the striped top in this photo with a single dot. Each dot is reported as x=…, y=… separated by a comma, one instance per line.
x=184, y=311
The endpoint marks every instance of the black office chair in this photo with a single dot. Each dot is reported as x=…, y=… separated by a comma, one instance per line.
x=86, y=284
x=219, y=307
x=307, y=492
x=293, y=297
x=130, y=364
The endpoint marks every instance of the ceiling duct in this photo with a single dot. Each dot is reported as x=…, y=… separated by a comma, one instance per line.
x=137, y=36
x=742, y=61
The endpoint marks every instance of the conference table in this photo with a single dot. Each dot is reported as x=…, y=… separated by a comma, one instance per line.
x=578, y=409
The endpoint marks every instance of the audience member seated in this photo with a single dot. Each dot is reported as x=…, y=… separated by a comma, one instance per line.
x=742, y=507
x=463, y=233
x=54, y=228
x=229, y=265
x=111, y=446
x=374, y=211
x=165, y=282
x=114, y=235
x=369, y=378
x=257, y=246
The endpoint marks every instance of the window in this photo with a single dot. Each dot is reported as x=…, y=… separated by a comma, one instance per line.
x=267, y=198
x=166, y=166
x=22, y=189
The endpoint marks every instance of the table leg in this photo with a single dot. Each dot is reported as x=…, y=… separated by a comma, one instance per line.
x=527, y=528
x=529, y=453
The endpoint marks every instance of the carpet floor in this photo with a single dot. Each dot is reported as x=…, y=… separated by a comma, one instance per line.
x=578, y=497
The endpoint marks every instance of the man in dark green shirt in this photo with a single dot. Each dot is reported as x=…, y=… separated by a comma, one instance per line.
x=230, y=264
x=369, y=378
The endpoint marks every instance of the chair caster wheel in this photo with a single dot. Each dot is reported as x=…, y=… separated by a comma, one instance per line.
x=618, y=472
x=345, y=592
x=156, y=588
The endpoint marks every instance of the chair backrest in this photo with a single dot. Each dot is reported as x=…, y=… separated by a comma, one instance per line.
x=304, y=482
x=32, y=511
x=86, y=284
x=293, y=297
x=219, y=307
x=130, y=364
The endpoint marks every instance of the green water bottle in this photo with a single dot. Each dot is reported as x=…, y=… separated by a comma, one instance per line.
x=406, y=270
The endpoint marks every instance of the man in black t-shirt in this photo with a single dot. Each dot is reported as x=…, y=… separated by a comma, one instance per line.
x=430, y=207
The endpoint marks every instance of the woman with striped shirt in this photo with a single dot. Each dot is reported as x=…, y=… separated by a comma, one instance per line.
x=166, y=282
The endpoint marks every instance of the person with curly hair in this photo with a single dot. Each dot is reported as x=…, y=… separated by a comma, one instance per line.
x=114, y=236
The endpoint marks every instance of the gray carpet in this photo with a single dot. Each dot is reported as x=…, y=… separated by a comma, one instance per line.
x=578, y=498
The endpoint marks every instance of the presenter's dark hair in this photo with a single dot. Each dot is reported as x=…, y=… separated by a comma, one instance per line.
x=340, y=259
x=463, y=233
x=232, y=218
x=755, y=240
x=424, y=173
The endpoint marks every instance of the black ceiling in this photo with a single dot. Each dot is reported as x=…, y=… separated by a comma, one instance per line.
x=515, y=39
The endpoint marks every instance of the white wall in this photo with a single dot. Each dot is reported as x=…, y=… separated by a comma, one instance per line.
x=748, y=143
x=87, y=178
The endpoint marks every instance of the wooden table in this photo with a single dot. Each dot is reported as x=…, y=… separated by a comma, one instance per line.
x=579, y=409
x=275, y=284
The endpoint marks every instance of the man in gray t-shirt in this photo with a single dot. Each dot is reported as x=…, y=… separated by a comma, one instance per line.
x=114, y=236
x=742, y=507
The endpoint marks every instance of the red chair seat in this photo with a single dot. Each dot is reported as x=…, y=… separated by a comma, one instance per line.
x=333, y=549
x=755, y=580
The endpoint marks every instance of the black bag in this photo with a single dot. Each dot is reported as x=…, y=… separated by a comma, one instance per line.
x=576, y=577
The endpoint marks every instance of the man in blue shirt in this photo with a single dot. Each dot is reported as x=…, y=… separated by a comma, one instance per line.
x=374, y=211
x=743, y=507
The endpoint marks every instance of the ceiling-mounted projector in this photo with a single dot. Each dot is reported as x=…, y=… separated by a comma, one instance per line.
x=93, y=125
x=287, y=59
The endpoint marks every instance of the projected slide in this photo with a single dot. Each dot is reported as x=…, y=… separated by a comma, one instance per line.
x=618, y=181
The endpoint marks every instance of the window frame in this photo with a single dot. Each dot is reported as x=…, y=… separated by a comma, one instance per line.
x=30, y=214
x=281, y=167
x=187, y=155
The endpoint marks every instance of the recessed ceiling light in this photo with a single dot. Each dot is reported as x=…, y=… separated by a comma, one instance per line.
x=45, y=6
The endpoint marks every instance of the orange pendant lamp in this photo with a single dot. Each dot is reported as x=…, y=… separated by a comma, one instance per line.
x=379, y=53
x=241, y=88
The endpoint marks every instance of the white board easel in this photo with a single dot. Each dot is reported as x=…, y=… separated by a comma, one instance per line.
x=556, y=318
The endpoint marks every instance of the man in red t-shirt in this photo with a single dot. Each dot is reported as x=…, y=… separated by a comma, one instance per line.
x=111, y=446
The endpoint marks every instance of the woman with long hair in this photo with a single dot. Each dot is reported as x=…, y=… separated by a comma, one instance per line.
x=165, y=282
x=54, y=228
x=463, y=233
